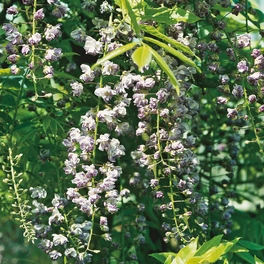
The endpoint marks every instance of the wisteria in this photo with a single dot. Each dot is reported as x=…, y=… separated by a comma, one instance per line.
x=131, y=131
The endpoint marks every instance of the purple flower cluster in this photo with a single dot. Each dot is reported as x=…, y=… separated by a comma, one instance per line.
x=16, y=40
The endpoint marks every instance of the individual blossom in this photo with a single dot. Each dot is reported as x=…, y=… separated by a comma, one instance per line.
x=34, y=39
x=13, y=58
x=221, y=100
x=243, y=41
x=238, y=91
x=159, y=194
x=261, y=109
x=53, y=54
x=42, y=230
x=125, y=193
x=88, y=74
x=259, y=62
x=107, y=115
x=12, y=10
x=77, y=88
x=9, y=28
x=54, y=254
x=52, y=32
x=103, y=142
x=38, y=192
x=56, y=217
x=231, y=54
x=110, y=205
x=106, y=93
x=70, y=252
x=59, y=239
x=31, y=66
x=74, y=134
x=109, y=68
x=14, y=69
x=255, y=53
x=78, y=35
x=48, y=71
x=39, y=15
x=139, y=99
x=59, y=11
x=115, y=150
x=92, y=46
x=237, y=8
x=122, y=128
x=40, y=208
x=254, y=78
x=214, y=67
x=89, y=5
x=46, y=245
x=231, y=113
x=88, y=122
x=252, y=98
x=120, y=109
x=71, y=163
x=86, y=143
x=242, y=66
x=90, y=170
x=107, y=34
x=217, y=35
x=224, y=79
x=105, y=7
x=11, y=49
x=27, y=2
x=113, y=45
x=51, y=2
x=58, y=201
x=12, y=33
x=25, y=49
x=84, y=205
x=104, y=224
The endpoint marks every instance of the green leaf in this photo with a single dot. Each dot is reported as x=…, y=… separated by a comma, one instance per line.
x=163, y=65
x=8, y=100
x=258, y=261
x=188, y=252
x=250, y=245
x=53, y=126
x=154, y=32
x=229, y=245
x=174, y=52
x=168, y=260
x=162, y=256
x=126, y=7
x=115, y=53
x=247, y=257
x=177, y=261
x=30, y=135
x=159, y=256
x=214, y=242
x=238, y=248
x=69, y=54
x=46, y=123
x=184, y=15
x=195, y=260
x=213, y=253
x=65, y=76
x=169, y=16
x=142, y=56
x=5, y=72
